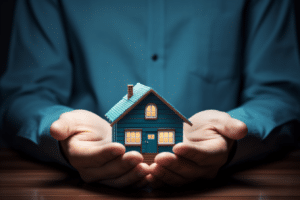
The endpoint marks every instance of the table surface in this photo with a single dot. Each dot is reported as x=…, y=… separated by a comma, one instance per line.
x=22, y=177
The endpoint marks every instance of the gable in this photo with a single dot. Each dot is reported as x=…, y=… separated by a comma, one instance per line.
x=151, y=98
x=140, y=92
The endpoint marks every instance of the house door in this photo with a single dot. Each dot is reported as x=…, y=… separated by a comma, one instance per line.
x=150, y=142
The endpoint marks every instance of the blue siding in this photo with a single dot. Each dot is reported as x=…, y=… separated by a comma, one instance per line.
x=146, y=125
x=129, y=148
x=114, y=133
x=165, y=149
x=166, y=118
x=121, y=130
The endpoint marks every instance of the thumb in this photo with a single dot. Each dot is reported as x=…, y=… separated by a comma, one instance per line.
x=61, y=129
x=234, y=129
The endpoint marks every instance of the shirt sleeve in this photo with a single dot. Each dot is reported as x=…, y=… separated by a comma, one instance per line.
x=37, y=83
x=270, y=84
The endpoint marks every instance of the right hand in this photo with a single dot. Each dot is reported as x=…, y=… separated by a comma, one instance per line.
x=85, y=139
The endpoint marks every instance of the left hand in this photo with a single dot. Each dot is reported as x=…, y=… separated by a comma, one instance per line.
x=204, y=150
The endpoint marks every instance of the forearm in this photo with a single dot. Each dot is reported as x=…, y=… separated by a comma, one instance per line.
x=269, y=130
x=38, y=79
x=269, y=98
x=26, y=127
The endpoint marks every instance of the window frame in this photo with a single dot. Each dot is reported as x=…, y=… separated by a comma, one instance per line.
x=165, y=130
x=126, y=130
x=151, y=118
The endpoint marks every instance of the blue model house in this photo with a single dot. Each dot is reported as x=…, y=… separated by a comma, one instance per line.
x=143, y=121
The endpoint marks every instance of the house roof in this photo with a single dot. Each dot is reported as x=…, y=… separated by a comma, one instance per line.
x=125, y=105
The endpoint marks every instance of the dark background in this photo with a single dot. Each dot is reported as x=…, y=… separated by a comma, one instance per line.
x=7, y=8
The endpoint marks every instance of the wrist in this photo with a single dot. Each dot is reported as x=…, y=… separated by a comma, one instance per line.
x=62, y=152
x=231, y=153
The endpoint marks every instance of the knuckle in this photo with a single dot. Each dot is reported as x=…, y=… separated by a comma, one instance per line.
x=65, y=115
x=54, y=128
x=226, y=115
x=140, y=172
x=242, y=126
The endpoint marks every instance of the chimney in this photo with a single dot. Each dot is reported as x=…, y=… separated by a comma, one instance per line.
x=129, y=91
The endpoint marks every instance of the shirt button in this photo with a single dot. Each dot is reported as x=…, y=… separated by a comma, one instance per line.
x=154, y=57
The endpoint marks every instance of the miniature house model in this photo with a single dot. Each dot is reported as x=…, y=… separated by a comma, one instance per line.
x=143, y=121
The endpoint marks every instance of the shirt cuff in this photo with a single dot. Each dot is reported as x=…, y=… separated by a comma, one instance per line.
x=40, y=143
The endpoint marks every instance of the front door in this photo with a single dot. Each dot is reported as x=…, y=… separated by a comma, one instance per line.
x=150, y=143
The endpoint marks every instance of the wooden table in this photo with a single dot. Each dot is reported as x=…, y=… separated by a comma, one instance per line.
x=22, y=177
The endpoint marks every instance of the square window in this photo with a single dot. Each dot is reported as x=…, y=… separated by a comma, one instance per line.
x=166, y=137
x=133, y=137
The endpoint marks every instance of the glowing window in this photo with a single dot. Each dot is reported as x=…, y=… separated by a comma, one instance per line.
x=150, y=136
x=132, y=137
x=151, y=111
x=166, y=137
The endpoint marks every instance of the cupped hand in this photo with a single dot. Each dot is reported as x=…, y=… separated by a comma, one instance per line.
x=204, y=150
x=85, y=139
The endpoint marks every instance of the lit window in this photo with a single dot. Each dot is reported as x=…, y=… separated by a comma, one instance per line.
x=132, y=137
x=151, y=137
x=166, y=137
x=151, y=111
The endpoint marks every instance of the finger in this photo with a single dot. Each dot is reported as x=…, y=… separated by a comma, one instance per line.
x=60, y=130
x=136, y=174
x=66, y=125
x=155, y=183
x=181, y=166
x=222, y=121
x=141, y=183
x=202, y=155
x=77, y=121
x=114, y=168
x=167, y=176
x=190, y=152
x=233, y=129
x=230, y=127
x=89, y=156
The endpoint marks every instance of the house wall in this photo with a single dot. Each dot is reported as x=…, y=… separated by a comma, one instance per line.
x=136, y=119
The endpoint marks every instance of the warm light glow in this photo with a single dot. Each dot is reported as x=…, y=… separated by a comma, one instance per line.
x=150, y=136
x=133, y=137
x=166, y=137
x=151, y=111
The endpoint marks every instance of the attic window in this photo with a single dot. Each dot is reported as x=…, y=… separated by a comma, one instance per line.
x=151, y=111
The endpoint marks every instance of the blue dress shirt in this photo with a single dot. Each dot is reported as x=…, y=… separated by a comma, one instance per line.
x=236, y=56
